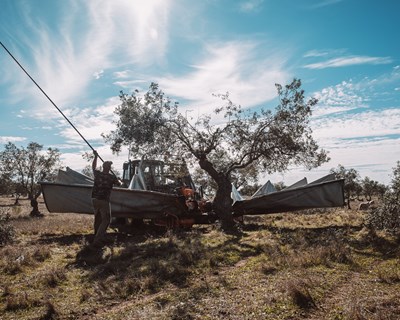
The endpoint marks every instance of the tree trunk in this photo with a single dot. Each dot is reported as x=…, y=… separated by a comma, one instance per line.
x=222, y=204
x=16, y=202
x=35, y=206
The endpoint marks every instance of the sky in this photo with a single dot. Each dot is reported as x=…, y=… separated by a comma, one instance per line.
x=84, y=52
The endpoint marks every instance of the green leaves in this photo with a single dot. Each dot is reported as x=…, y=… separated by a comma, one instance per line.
x=27, y=166
x=269, y=141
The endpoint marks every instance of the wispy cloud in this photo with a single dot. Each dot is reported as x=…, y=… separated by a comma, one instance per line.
x=4, y=139
x=338, y=99
x=324, y=53
x=358, y=133
x=91, y=123
x=348, y=61
x=88, y=39
x=232, y=67
x=250, y=5
x=325, y=3
x=98, y=74
x=122, y=74
x=359, y=125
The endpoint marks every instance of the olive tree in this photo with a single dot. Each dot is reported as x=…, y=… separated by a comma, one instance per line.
x=387, y=215
x=352, y=186
x=372, y=188
x=269, y=141
x=6, y=183
x=27, y=166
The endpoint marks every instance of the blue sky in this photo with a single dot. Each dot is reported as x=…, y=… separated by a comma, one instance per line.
x=83, y=52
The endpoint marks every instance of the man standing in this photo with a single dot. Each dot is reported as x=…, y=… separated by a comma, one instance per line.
x=103, y=184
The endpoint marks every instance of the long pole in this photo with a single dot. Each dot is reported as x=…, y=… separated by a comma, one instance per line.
x=49, y=98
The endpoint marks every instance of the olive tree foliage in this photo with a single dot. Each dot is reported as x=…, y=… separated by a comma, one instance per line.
x=352, y=186
x=27, y=166
x=6, y=183
x=269, y=141
x=372, y=188
x=387, y=215
x=88, y=170
x=280, y=185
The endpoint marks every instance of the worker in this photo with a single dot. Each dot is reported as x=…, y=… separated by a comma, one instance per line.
x=103, y=184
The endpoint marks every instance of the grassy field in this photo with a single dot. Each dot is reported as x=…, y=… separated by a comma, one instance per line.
x=309, y=265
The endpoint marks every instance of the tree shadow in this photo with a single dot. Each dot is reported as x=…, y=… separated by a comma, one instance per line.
x=372, y=244
x=63, y=240
x=144, y=263
x=312, y=236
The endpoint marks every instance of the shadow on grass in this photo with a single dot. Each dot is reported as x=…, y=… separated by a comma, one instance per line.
x=152, y=262
x=9, y=205
x=64, y=240
x=311, y=236
x=381, y=245
x=143, y=264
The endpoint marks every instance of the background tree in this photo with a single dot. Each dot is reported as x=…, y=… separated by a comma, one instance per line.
x=351, y=178
x=6, y=183
x=27, y=166
x=279, y=186
x=250, y=189
x=88, y=171
x=268, y=141
x=203, y=179
x=387, y=216
x=395, y=183
x=372, y=188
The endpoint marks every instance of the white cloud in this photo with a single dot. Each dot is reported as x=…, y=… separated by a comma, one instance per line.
x=122, y=74
x=250, y=5
x=325, y=3
x=370, y=156
x=90, y=123
x=98, y=74
x=111, y=33
x=130, y=84
x=348, y=61
x=233, y=67
x=356, y=133
x=323, y=53
x=338, y=99
x=359, y=125
x=76, y=162
x=374, y=159
x=4, y=139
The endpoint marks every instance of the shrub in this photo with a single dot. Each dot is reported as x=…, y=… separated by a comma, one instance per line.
x=7, y=232
x=41, y=253
x=51, y=312
x=300, y=294
x=386, y=216
x=54, y=276
x=17, y=302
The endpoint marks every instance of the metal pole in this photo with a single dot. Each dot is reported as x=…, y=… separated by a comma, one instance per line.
x=53, y=103
x=48, y=98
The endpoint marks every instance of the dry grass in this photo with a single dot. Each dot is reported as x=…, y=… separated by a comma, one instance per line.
x=309, y=265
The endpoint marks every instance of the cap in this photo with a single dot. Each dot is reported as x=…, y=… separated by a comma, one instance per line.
x=107, y=163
